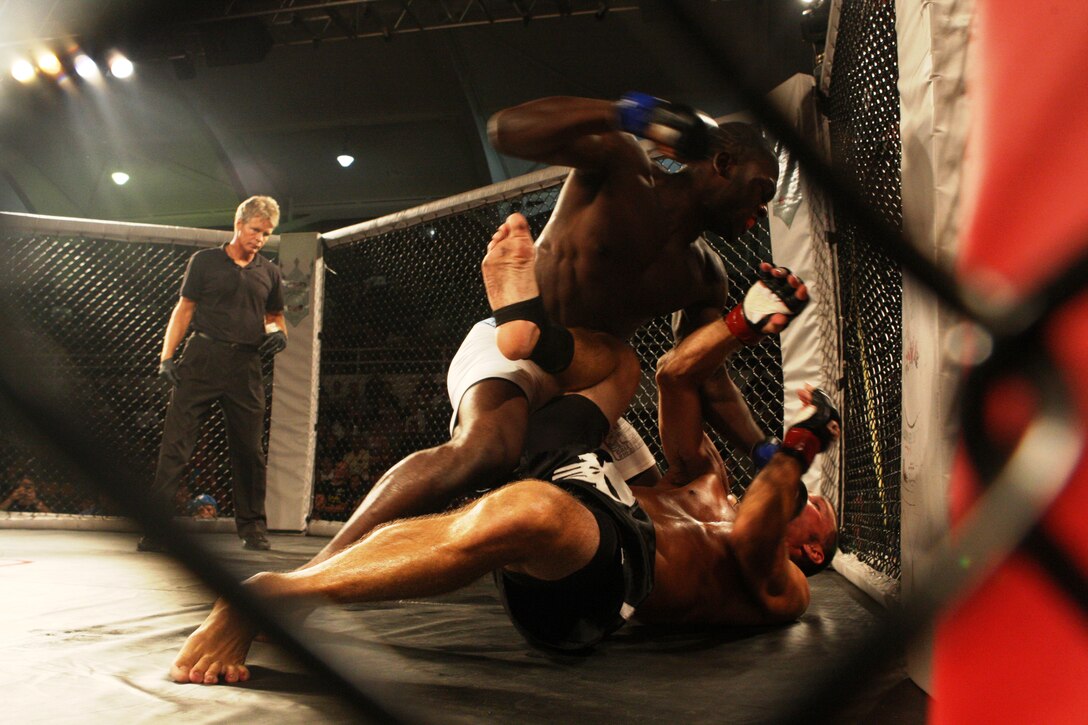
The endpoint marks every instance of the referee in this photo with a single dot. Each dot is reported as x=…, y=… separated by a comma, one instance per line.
x=232, y=297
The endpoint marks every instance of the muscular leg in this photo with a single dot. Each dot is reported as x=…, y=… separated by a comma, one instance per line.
x=485, y=448
x=492, y=416
x=531, y=527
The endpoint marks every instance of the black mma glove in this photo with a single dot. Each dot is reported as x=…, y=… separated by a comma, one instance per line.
x=687, y=133
x=274, y=342
x=768, y=296
x=814, y=432
x=168, y=371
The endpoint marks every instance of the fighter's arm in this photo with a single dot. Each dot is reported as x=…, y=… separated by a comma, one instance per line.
x=723, y=405
x=759, y=540
x=583, y=133
x=681, y=372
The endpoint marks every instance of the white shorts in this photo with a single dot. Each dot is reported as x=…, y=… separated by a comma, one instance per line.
x=479, y=359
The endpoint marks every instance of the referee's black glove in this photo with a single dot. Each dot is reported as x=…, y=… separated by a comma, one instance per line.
x=168, y=371
x=274, y=342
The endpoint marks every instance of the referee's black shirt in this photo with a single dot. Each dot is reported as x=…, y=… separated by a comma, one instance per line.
x=231, y=301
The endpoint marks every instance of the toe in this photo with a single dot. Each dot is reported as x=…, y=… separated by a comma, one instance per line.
x=211, y=675
x=196, y=672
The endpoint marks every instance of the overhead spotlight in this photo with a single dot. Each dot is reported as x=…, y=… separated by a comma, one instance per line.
x=49, y=63
x=85, y=67
x=345, y=160
x=120, y=66
x=119, y=177
x=22, y=70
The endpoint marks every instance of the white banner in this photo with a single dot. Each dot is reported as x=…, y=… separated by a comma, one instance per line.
x=292, y=437
x=799, y=241
x=932, y=40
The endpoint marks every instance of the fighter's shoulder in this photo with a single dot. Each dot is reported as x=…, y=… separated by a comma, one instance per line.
x=621, y=157
x=712, y=271
x=706, y=252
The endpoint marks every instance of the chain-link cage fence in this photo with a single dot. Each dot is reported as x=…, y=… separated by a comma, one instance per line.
x=863, y=111
x=399, y=302
x=94, y=311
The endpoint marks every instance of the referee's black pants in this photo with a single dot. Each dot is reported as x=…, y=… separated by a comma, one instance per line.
x=212, y=371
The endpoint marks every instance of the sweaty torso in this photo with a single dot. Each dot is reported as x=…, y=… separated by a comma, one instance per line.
x=697, y=578
x=608, y=259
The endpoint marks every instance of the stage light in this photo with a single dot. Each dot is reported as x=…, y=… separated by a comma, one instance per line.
x=119, y=177
x=22, y=70
x=85, y=67
x=120, y=66
x=49, y=63
x=345, y=160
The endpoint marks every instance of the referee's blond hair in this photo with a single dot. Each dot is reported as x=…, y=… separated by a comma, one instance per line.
x=264, y=207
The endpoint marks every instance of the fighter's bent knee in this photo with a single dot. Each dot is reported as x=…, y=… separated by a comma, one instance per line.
x=529, y=508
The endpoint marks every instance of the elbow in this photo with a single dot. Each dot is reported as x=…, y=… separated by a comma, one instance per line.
x=496, y=125
x=672, y=369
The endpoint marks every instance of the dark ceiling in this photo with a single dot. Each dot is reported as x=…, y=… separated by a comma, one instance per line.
x=236, y=98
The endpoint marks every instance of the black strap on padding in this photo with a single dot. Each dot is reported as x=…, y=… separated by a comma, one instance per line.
x=531, y=310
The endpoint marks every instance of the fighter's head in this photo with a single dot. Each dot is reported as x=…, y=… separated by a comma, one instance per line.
x=741, y=179
x=813, y=535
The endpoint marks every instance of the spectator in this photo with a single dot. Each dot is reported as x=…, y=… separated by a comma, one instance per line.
x=358, y=487
x=357, y=461
x=182, y=497
x=25, y=498
x=332, y=502
x=204, y=506
x=91, y=504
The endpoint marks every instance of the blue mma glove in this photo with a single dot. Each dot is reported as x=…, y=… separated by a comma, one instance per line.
x=761, y=452
x=688, y=134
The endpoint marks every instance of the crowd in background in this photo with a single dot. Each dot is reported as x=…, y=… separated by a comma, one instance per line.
x=364, y=428
x=366, y=424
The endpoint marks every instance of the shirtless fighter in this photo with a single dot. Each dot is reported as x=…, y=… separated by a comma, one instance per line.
x=623, y=245
x=575, y=552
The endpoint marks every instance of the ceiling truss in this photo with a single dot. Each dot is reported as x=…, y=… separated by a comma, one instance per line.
x=304, y=21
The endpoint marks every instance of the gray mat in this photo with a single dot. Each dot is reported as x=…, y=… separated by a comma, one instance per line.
x=90, y=627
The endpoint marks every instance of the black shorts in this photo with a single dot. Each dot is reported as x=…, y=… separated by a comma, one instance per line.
x=576, y=612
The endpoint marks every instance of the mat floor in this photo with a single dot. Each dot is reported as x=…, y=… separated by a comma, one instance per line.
x=90, y=627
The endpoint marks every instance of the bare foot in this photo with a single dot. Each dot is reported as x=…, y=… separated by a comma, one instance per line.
x=509, y=277
x=508, y=265
x=217, y=648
